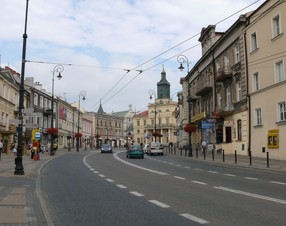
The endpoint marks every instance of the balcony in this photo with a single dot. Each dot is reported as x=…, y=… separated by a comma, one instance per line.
x=204, y=88
x=223, y=74
x=191, y=98
x=225, y=110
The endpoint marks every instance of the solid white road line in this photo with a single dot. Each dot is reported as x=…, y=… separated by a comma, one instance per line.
x=136, y=193
x=194, y=218
x=163, y=205
x=277, y=182
x=253, y=195
x=136, y=166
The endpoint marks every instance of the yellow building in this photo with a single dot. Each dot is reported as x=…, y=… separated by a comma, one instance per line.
x=266, y=45
x=158, y=123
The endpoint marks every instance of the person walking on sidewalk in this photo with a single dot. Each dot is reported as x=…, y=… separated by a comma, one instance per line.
x=1, y=148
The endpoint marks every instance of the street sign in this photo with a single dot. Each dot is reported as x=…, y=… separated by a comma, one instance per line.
x=36, y=134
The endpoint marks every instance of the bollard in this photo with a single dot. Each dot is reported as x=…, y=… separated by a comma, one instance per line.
x=204, y=153
x=197, y=153
x=235, y=157
x=267, y=154
x=250, y=158
x=213, y=154
x=223, y=155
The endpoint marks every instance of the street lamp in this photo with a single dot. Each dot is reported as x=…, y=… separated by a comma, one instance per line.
x=83, y=95
x=182, y=59
x=58, y=68
x=19, y=169
x=152, y=94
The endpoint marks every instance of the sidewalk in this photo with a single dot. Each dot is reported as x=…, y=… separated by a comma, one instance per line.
x=241, y=160
x=18, y=200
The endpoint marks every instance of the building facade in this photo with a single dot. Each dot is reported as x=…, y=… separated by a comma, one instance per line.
x=265, y=41
x=159, y=122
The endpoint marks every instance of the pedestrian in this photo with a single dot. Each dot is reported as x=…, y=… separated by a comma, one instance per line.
x=204, y=145
x=14, y=151
x=1, y=148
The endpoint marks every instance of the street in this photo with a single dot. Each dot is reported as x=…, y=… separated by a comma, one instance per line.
x=89, y=188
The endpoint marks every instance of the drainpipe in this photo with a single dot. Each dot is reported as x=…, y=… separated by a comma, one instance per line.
x=247, y=94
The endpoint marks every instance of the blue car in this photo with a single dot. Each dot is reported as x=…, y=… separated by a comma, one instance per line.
x=135, y=151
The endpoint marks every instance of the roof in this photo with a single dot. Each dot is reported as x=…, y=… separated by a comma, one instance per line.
x=142, y=114
x=120, y=113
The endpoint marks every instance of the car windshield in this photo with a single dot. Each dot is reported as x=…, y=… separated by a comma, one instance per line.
x=106, y=146
x=136, y=148
x=155, y=145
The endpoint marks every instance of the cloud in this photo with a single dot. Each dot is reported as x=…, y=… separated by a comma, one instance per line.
x=96, y=40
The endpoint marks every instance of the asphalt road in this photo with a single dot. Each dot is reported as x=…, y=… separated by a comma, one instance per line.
x=90, y=188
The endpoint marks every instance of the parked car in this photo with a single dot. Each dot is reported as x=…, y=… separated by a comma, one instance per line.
x=106, y=148
x=135, y=151
x=155, y=148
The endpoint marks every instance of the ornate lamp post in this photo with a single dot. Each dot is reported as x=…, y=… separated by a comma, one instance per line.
x=182, y=59
x=152, y=94
x=58, y=68
x=19, y=169
x=83, y=95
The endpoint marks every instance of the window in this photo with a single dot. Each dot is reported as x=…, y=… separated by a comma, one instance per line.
x=228, y=97
x=144, y=122
x=276, y=26
x=226, y=61
x=258, y=117
x=236, y=54
x=35, y=99
x=239, y=129
x=138, y=123
x=255, y=81
x=282, y=111
x=238, y=91
x=41, y=102
x=279, y=71
x=253, y=41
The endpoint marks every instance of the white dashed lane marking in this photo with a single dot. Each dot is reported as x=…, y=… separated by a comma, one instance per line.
x=136, y=193
x=181, y=178
x=199, y=182
x=194, y=218
x=277, y=182
x=161, y=204
x=121, y=186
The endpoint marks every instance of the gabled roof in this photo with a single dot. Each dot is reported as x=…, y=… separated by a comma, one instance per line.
x=142, y=114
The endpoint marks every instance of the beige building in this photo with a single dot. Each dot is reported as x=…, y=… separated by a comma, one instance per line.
x=214, y=96
x=266, y=44
x=159, y=122
x=9, y=103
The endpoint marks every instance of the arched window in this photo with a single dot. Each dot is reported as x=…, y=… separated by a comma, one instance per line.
x=239, y=129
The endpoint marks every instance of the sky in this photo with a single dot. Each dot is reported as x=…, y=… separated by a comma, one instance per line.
x=115, y=50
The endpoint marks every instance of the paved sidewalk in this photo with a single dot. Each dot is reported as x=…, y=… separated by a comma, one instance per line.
x=240, y=160
x=18, y=200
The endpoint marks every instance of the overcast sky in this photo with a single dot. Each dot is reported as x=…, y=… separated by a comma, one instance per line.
x=96, y=40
